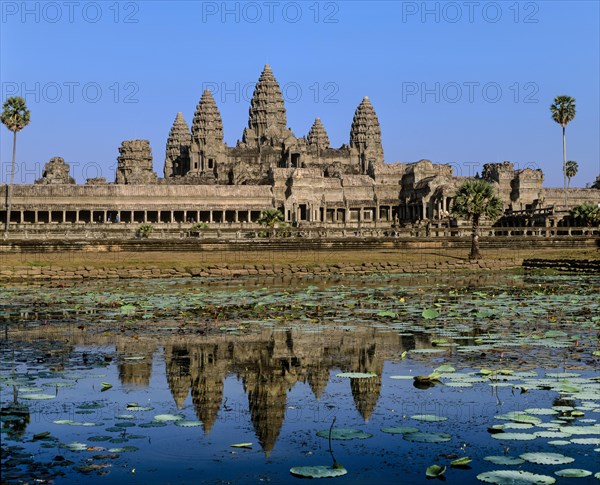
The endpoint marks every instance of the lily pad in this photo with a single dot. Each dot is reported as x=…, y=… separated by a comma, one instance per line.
x=504, y=460
x=547, y=458
x=515, y=477
x=161, y=418
x=435, y=471
x=356, y=375
x=319, y=471
x=430, y=418
x=37, y=397
x=573, y=473
x=427, y=437
x=344, y=434
x=184, y=423
x=399, y=429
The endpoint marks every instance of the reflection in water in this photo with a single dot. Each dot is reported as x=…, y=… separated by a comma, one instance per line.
x=270, y=364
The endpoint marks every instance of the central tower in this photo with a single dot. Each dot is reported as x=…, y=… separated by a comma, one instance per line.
x=267, y=121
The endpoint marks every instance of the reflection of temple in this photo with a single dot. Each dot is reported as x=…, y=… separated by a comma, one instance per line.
x=270, y=364
x=135, y=361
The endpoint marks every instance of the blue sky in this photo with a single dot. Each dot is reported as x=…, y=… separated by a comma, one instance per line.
x=464, y=83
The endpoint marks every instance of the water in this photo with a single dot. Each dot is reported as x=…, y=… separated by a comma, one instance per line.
x=256, y=361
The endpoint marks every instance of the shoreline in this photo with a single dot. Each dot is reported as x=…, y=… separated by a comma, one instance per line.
x=225, y=270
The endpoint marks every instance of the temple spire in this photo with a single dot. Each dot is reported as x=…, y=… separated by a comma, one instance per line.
x=208, y=125
x=267, y=117
x=365, y=132
x=318, y=135
x=178, y=145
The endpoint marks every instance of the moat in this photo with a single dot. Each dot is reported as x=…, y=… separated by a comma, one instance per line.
x=154, y=381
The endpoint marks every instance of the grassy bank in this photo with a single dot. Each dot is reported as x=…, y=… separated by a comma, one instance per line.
x=75, y=259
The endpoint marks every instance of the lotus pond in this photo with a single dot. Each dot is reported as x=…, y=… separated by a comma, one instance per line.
x=487, y=378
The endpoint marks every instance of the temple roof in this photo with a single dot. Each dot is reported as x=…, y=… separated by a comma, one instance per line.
x=208, y=125
x=365, y=131
x=318, y=135
x=267, y=110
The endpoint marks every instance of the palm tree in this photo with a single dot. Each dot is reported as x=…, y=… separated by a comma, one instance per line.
x=15, y=116
x=270, y=218
x=588, y=213
x=571, y=170
x=474, y=199
x=563, y=112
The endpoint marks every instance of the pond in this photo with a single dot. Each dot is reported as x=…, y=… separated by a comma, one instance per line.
x=482, y=378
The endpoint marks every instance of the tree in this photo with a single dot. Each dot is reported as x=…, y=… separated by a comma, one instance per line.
x=475, y=199
x=270, y=218
x=15, y=116
x=563, y=112
x=571, y=170
x=588, y=213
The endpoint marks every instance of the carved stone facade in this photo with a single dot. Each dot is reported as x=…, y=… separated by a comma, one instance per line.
x=56, y=171
x=304, y=177
x=135, y=163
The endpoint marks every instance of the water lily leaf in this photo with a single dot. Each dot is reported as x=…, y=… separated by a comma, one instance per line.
x=184, y=423
x=356, y=375
x=161, y=418
x=444, y=369
x=515, y=477
x=504, y=460
x=41, y=436
x=241, y=445
x=461, y=461
x=344, y=434
x=586, y=441
x=431, y=418
x=430, y=313
x=514, y=436
x=37, y=397
x=573, y=473
x=128, y=309
x=399, y=429
x=435, y=471
x=426, y=437
x=319, y=471
x=547, y=458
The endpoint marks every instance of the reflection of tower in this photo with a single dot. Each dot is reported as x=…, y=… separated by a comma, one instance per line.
x=135, y=361
x=318, y=377
x=267, y=397
x=208, y=373
x=177, y=360
x=269, y=371
x=366, y=391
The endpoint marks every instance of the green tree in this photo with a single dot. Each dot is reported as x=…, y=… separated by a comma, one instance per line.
x=475, y=199
x=15, y=116
x=270, y=218
x=571, y=170
x=589, y=214
x=563, y=112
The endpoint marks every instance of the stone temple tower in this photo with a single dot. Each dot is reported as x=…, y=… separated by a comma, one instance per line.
x=207, y=151
x=267, y=122
x=317, y=136
x=365, y=137
x=177, y=160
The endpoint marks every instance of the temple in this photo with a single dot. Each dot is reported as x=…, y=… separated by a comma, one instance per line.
x=312, y=183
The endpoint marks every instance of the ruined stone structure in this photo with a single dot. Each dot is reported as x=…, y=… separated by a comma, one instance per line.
x=56, y=171
x=311, y=182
